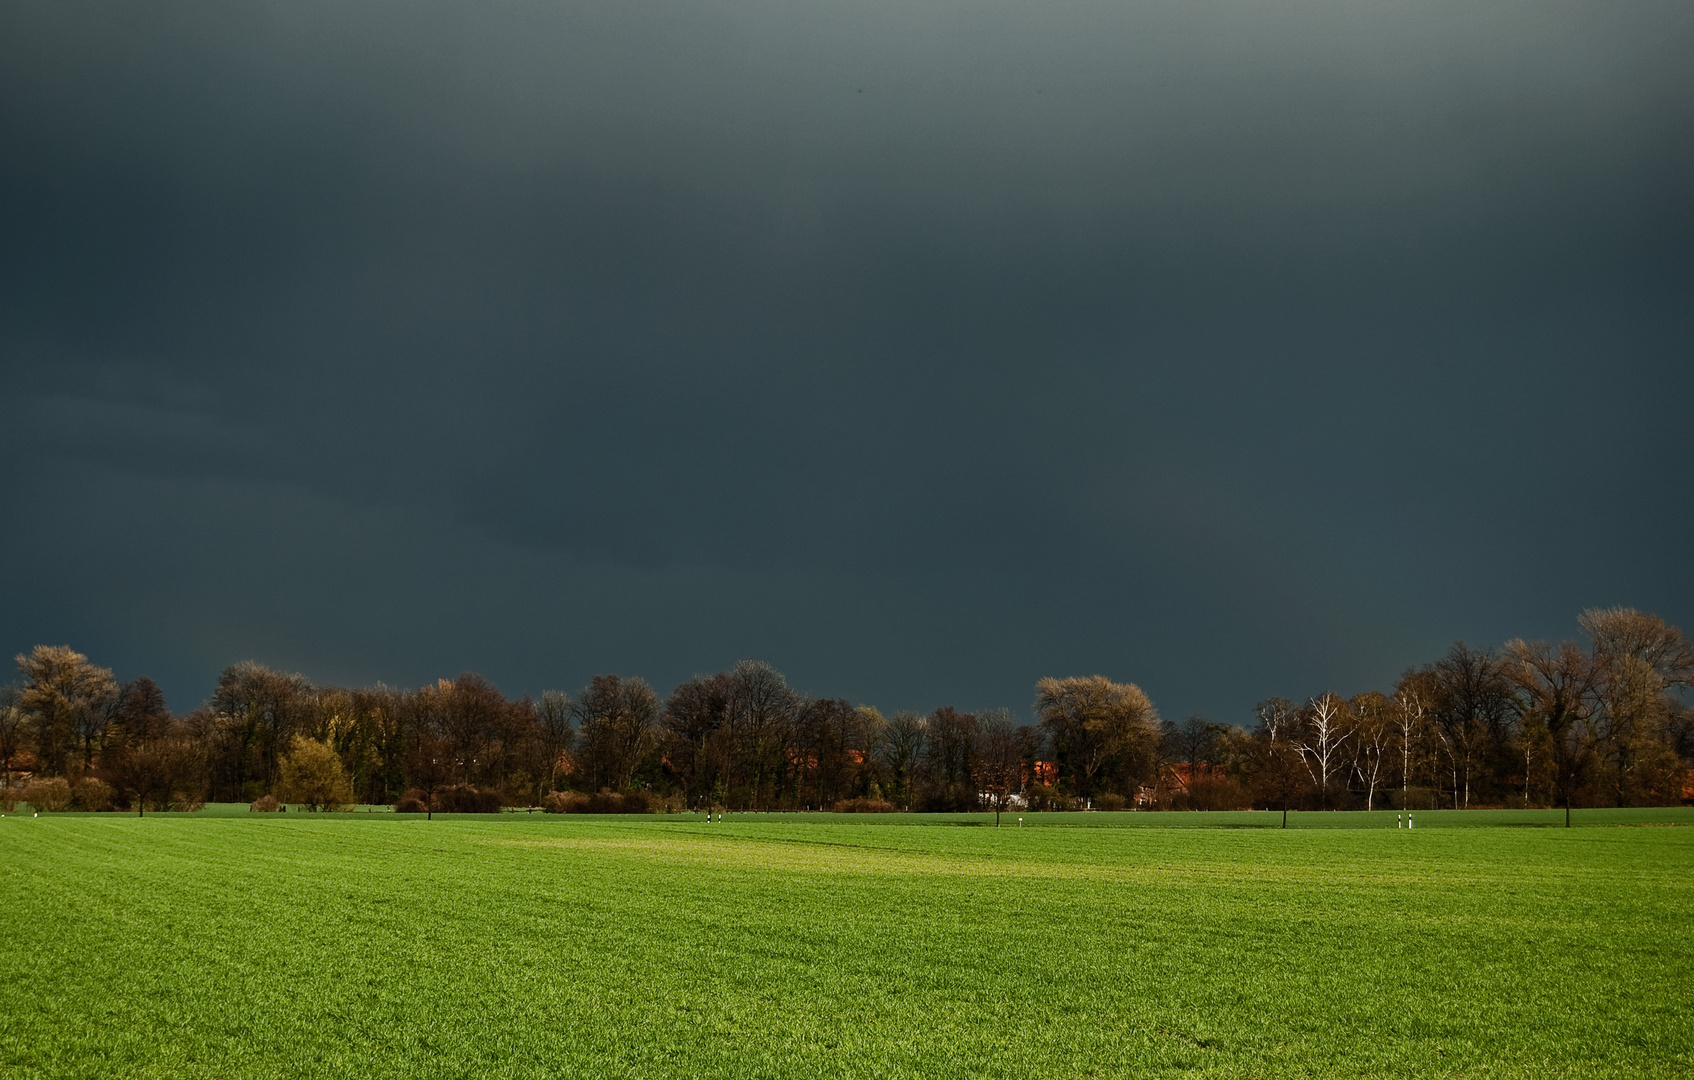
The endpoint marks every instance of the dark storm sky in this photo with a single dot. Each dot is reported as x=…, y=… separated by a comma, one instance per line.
x=921, y=348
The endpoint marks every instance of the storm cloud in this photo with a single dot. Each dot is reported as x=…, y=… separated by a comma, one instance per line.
x=922, y=349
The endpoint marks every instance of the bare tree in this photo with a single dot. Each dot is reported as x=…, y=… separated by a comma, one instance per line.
x=359, y=726
x=1189, y=744
x=258, y=712
x=1555, y=701
x=1374, y=738
x=94, y=723
x=1471, y=707
x=694, y=720
x=618, y=728
x=158, y=763
x=760, y=717
x=899, y=747
x=830, y=749
x=949, y=756
x=13, y=730
x=141, y=713
x=558, y=732
x=429, y=761
x=1640, y=662
x=1322, y=734
x=1620, y=632
x=1278, y=727
x=1410, y=717
x=997, y=766
x=148, y=756
x=475, y=719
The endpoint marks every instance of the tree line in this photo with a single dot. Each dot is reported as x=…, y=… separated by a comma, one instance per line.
x=1598, y=722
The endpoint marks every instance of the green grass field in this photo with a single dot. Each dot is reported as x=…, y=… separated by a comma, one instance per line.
x=372, y=945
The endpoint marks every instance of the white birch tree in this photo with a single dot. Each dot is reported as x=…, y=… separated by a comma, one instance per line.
x=1322, y=736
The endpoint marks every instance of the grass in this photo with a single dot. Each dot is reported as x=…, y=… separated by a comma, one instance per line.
x=1143, y=819
x=879, y=946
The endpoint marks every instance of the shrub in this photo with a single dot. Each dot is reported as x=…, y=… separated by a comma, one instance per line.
x=265, y=804
x=413, y=802
x=93, y=793
x=1110, y=801
x=49, y=795
x=1047, y=797
x=739, y=797
x=1416, y=798
x=1217, y=792
x=9, y=796
x=465, y=799
x=558, y=802
x=947, y=799
x=601, y=802
x=185, y=802
x=864, y=806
